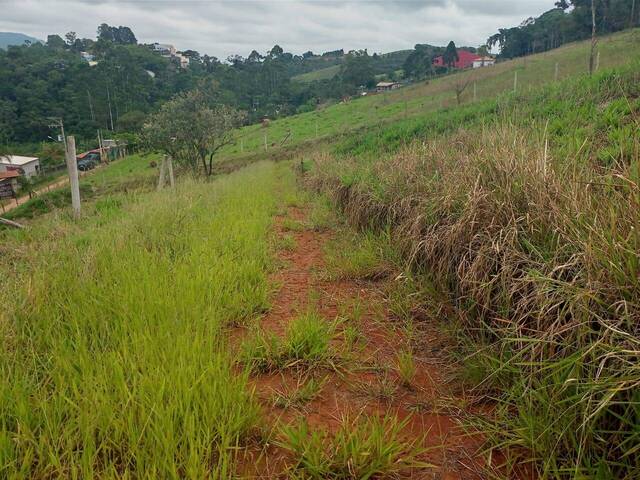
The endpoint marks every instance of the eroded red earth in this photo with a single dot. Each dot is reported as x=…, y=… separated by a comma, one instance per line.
x=371, y=385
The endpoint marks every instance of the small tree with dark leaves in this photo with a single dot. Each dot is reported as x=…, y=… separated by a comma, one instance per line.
x=192, y=129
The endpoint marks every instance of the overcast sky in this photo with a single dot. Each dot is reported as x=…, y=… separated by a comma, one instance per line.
x=222, y=28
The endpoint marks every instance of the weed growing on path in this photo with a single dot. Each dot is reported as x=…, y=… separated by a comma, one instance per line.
x=305, y=391
x=361, y=448
x=406, y=367
x=306, y=344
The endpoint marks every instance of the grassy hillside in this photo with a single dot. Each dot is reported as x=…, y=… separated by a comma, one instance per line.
x=422, y=99
x=386, y=63
x=320, y=74
x=511, y=219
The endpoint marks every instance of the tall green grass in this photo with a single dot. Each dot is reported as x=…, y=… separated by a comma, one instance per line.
x=112, y=354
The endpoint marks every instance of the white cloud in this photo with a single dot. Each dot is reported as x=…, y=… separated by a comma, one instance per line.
x=223, y=28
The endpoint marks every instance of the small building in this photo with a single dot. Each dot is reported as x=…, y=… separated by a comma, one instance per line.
x=182, y=60
x=27, y=166
x=164, y=49
x=8, y=183
x=387, y=86
x=484, y=62
x=87, y=57
x=465, y=60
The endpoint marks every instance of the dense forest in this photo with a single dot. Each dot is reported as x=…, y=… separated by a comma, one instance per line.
x=113, y=82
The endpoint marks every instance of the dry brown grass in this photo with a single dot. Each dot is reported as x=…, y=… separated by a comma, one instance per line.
x=540, y=253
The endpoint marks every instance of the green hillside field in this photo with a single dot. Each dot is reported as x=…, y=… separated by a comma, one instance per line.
x=320, y=74
x=133, y=341
x=424, y=98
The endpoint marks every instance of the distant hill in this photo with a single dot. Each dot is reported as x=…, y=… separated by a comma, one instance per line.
x=385, y=64
x=10, y=38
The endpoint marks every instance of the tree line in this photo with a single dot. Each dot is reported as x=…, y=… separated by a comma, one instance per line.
x=129, y=81
x=569, y=21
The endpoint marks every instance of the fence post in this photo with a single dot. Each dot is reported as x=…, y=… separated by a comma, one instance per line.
x=72, y=167
x=172, y=180
x=515, y=82
x=265, y=142
x=162, y=172
x=555, y=76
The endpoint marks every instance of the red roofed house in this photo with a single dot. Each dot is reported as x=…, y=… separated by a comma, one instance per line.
x=465, y=60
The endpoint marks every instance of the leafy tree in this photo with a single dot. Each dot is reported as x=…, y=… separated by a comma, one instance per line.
x=192, y=129
x=450, y=56
x=254, y=57
x=119, y=35
x=357, y=70
x=276, y=51
x=571, y=20
x=52, y=154
x=419, y=63
x=131, y=121
x=55, y=41
x=7, y=121
x=71, y=38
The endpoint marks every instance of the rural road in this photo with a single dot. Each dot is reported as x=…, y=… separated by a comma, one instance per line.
x=14, y=203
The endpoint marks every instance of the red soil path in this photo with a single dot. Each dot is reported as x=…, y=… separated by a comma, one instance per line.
x=454, y=454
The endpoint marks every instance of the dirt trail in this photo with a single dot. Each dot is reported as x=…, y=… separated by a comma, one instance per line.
x=15, y=203
x=374, y=387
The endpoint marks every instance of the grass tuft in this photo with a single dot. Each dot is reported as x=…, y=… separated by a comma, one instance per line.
x=306, y=344
x=361, y=448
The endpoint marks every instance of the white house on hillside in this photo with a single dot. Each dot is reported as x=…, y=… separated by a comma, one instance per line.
x=27, y=166
x=164, y=49
x=484, y=62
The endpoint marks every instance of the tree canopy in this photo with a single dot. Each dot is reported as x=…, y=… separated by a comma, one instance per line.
x=191, y=128
x=450, y=55
x=569, y=21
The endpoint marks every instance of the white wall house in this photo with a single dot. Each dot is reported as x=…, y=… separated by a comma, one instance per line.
x=165, y=49
x=169, y=51
x=386, y=86
x=484, y=62
x=29, y=166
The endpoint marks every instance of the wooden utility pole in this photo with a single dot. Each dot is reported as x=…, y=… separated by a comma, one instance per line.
x=72, y=167
x=475, y=91
x=265, y=142
x=594, y=38
x=555, y=75
x=515, y=82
